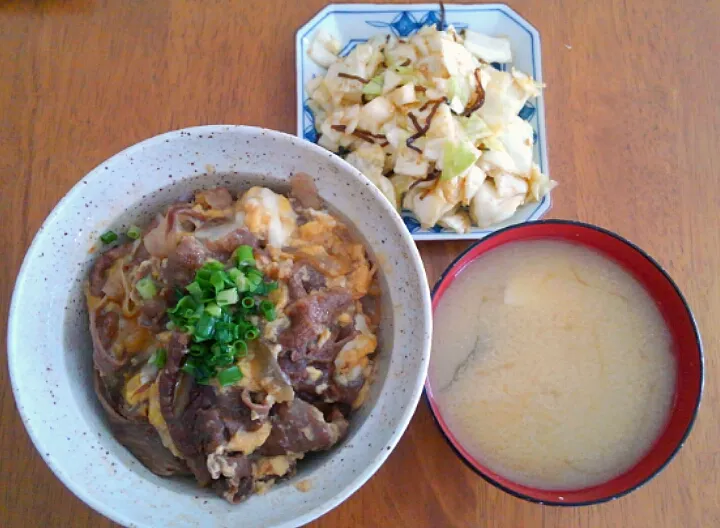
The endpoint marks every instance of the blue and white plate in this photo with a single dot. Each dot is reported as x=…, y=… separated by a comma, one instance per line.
x=355, y=23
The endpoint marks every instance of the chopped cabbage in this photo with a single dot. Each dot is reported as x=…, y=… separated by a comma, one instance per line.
x=458, y=221
x=375, y=113
x=411, y=163
x=475, y=128
x=488, y=208
x=403, y=95
x=517, y=139
x=370, y=160
x=401, y=183
x=457, y=59
x=471, y=183
x=458, y=93
x=458, y=158
x=391, y=80
x=427, y=203
x=488, y=49
x=388, y=91
x=374, y=87
x=324, y=49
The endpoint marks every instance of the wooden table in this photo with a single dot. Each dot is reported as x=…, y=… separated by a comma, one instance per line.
x=633, y=124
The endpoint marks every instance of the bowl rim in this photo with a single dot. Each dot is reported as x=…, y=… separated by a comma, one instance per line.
x=434, y=409
x=382, y=451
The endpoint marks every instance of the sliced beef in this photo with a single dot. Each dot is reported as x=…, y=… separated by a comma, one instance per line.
x=302, y=381
x=310, y=315
x=152, y=314
x=295, y=365
x=233, y=477
x=206, y=420
x=299, y=427
x=184, y=261
x=303, y=188
x=372, y=308
x=141, y=254
x=104, y=327
x=333, y=411
x=107, y=324
x=303, y=280
x=224, y=246
x=234, y=412
x=328, y=351
x=98, y=275
x=260, y=409
x=217, y=198
x=347, y=394
x=169, y=229
x=319, y=352
x=182, y=217
x=180, y=419
x=139, y=437
x=193, y=429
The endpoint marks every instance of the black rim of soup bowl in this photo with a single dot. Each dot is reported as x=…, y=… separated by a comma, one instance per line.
x=698, y=342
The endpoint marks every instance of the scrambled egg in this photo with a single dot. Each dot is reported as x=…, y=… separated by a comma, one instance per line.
x=155, y=417
x=327, y=245
x=246, y=442
x=268, y=214
x=271, y=466
x=352, y=361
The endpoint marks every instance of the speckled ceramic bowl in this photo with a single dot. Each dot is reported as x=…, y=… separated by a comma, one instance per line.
x=49, y=344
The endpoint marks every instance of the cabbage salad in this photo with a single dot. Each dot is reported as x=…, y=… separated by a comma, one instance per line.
x=431, y=123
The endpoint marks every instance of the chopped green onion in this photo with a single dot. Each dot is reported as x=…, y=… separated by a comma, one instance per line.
x=255, y=279
x=214, y=310
x=158, y=358
x=271, y=286
x=205, y=327
x=242, y=326
x=225, y=360
x=268, y=310
x=183, y=304
x=198, y=350
x=146, y=288
x=227, y=297
x=229, y=376
x=217, y=279
x=213, y=265
x=222, y=355
x=202, y=277
x=242, y=282
x=225, y=332
x=234, y=273
x=218, y=310
x=108, y=237
x=240, y=347
x=189, y=367
x=244, y=256
x=195, y=290
x=248, y=302
x=134, y=232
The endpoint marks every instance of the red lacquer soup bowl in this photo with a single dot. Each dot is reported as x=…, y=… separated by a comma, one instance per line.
x=687, y=349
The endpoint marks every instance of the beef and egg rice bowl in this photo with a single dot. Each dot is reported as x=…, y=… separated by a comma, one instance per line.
x=232, y=336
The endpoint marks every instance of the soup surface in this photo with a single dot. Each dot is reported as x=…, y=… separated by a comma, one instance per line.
x=551, y=365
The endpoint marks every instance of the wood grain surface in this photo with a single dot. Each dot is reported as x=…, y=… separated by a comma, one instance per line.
x=633, y=126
